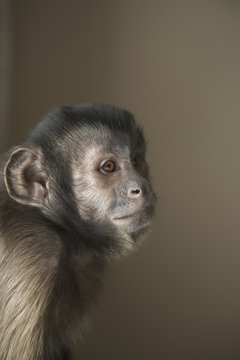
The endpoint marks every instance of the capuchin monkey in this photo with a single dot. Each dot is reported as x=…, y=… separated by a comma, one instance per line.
x=75, y=195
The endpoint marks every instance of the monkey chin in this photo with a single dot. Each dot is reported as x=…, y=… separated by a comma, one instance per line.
x=135, y=224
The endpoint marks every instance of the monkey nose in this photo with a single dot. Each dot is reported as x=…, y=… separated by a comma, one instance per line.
x=134, y=192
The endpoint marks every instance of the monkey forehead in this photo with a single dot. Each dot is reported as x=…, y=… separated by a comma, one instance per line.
x=100, y=139
x=96, y=152
x=68, y=128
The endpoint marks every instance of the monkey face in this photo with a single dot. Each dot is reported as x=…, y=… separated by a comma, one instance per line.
x=85, y=165
x=111, y=184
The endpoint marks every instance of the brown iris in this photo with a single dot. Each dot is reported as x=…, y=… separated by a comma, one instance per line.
x=109, y=166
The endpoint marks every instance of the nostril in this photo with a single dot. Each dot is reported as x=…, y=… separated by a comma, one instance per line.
x=137, y=191
x=134, y=192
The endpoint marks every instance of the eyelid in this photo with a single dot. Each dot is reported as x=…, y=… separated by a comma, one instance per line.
x=108, y=159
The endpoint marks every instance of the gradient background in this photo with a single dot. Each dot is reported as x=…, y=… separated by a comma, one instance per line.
x=176, y=66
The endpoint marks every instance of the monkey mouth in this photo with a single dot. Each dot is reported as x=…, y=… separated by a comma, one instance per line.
x=144, y=214
x=135, y=223
x=125, y=217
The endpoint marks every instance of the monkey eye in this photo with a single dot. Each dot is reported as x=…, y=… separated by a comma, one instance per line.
x=136, y=161
x=108, y=166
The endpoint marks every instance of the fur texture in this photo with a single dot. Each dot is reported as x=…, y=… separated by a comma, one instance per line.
x=63, y=215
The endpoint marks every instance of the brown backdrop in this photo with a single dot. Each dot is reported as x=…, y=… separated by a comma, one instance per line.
x=176, y=65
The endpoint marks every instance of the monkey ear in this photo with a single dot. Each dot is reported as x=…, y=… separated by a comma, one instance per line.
x=25, y=179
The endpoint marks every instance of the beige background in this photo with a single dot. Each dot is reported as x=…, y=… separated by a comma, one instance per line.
x=176, y=66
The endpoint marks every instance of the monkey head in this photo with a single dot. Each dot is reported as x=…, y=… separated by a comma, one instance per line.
x=84, y=168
